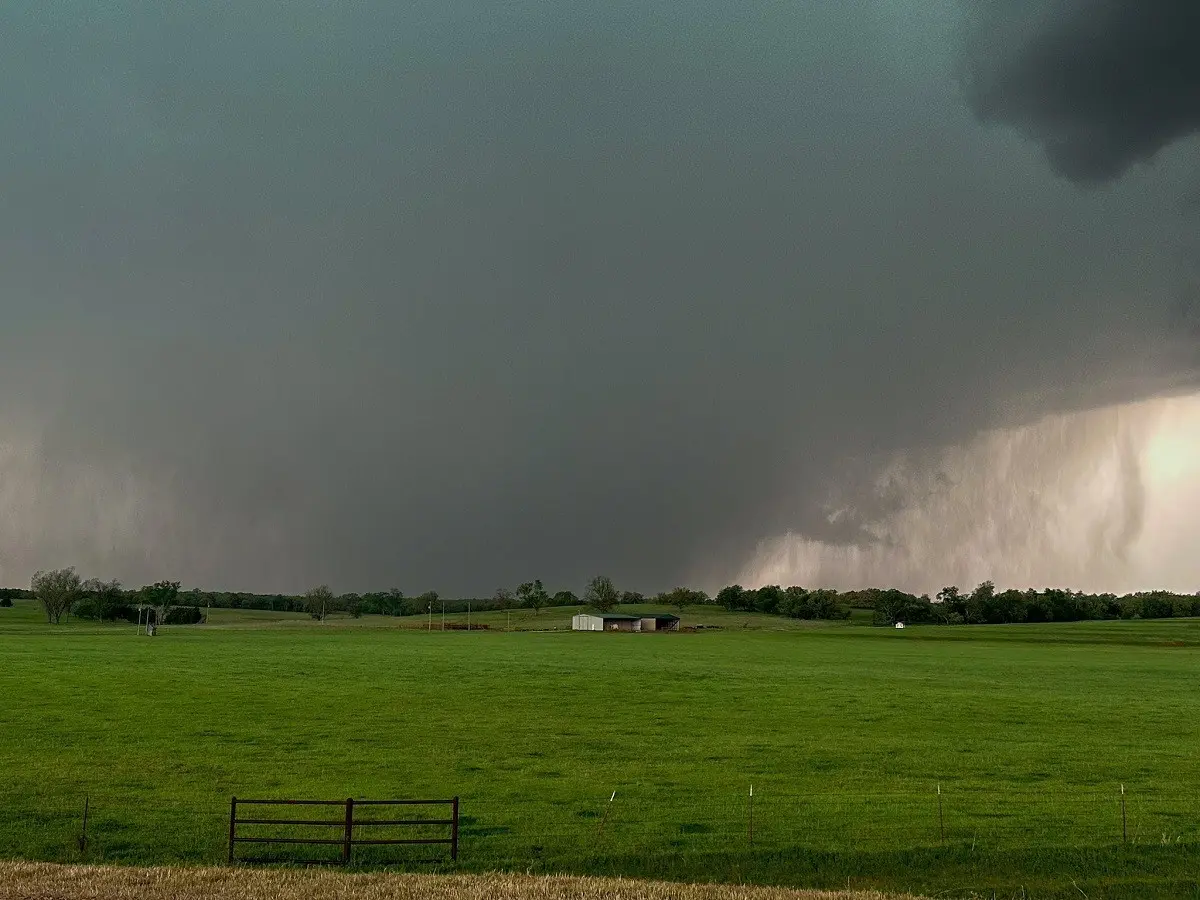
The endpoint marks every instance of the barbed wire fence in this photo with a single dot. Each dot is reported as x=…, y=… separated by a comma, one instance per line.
x=522, y=832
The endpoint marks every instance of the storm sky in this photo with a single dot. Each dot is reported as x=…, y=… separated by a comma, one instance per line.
x=453, y=295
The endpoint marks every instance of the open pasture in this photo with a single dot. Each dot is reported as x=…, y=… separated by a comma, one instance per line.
x=846, y=732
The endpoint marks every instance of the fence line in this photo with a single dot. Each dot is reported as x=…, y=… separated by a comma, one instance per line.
x=643, y=816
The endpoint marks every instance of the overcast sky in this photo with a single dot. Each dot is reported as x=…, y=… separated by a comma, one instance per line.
x=456, y=294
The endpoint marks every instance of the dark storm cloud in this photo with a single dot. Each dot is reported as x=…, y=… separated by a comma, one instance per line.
x=452, y=294
x=1101, y=84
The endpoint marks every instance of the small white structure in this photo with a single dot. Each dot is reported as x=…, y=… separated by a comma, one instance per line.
x=622, y=622
x=605, y=622
x=899, y=624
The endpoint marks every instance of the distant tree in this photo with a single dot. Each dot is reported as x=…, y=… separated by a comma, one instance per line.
x=395, y=604
x=632, y=597
x=768, y=598
x=318, y=602
x=184, y=615
x=105, y=599
x=161, y=595
x=533, y=595
x=731, y=597
x=56, y=590
x=1009, y=606
x=6, y=602
x=681, y=598
x=894, y=606
x=979, y=602
x=564, y=598
x=427, y=602
x=384, y=603
x=351, y=603
x=503, y=598
x=951, y=606
x=601, y=594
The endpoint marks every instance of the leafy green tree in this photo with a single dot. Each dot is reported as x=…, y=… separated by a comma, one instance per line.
x=979, y=602
x=318, y=602
x=768, y=598
x=601, y=594
x=57, y=590
x=731, y=598
x=533, y=595
x=395, y=605
x=564, y=598
x=1006, y=607
x=681, y=598
x=951, y=606
x=894, y=606
x=161, y=595
x=105, y=598
x=427, y=602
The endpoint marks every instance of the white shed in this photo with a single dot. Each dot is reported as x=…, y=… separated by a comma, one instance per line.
x=605, y=622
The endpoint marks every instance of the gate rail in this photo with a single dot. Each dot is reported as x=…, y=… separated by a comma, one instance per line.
x=347, y=841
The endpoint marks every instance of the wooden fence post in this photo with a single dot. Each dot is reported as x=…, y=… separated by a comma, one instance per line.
x=454, y=833
x=349, y=837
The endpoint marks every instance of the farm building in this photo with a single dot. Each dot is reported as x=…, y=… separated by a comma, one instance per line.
x=622, y=622
x=660, y=622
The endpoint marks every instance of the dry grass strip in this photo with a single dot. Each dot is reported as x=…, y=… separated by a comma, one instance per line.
x=44, y=881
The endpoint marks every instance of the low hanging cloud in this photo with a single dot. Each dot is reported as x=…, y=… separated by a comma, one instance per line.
x=1095, y=500
x=1100, y=84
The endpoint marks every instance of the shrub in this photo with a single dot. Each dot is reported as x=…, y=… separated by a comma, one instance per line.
x=184, y=615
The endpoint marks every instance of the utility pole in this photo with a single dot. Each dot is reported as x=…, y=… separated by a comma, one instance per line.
x=430, y=607
x=443, y=615
x=468, y=615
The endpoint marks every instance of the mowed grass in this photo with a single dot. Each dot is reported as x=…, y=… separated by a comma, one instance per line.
x=846, y=732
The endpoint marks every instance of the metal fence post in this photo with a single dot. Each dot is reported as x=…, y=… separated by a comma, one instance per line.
x=232, y=825
x=751, y=815
x=349, y=837
x=83, y=833
x=1124, y=820
x=454, y=833
x=941, y=816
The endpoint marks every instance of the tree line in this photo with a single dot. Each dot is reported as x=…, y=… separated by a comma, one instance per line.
x=950, y=606
x=63, y=593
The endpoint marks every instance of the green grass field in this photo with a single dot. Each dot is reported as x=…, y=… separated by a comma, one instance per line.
x=845, y=732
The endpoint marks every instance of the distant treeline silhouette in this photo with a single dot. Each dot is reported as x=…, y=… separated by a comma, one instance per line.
x=982, y=606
